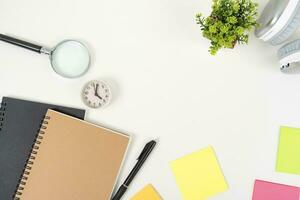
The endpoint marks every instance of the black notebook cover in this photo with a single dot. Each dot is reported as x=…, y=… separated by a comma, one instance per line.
x=20, y=121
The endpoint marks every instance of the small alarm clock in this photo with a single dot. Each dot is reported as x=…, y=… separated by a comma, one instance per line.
x=96, y=94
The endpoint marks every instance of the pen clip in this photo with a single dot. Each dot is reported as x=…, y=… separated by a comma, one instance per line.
x=144, y=151
x=148, y=147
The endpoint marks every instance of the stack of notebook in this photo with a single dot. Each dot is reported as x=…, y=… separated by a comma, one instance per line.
x=48, y=152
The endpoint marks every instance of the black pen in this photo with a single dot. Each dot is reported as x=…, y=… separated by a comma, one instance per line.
x=140, y=161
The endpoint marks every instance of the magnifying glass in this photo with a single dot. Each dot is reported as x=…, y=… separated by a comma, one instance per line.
x=69, y=58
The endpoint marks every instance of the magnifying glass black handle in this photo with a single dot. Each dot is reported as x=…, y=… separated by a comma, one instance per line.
x=21, y=43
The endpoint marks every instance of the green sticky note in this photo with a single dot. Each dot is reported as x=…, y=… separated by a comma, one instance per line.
x=288, y=158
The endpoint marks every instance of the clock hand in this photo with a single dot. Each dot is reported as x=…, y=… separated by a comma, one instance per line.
x=96, y=92
x=98, y=96
x=96, y=89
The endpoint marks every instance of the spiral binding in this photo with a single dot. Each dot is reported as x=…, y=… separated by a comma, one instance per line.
x=2, y=114
x=30, y=160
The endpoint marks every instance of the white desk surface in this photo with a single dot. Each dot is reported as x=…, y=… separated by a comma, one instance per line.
x=164, y=82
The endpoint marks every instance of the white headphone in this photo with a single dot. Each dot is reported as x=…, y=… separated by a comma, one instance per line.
x=278, y=21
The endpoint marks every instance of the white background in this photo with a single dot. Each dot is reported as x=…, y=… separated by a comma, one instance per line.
x=165, y=84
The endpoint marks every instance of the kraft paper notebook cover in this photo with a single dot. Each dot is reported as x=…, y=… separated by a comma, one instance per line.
x=19, y=124
x=73, y=160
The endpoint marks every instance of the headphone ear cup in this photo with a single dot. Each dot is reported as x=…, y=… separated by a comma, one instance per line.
x=289, y=29
x=289, y=49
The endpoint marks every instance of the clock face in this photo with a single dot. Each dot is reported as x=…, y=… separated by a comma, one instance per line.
x=96, y=94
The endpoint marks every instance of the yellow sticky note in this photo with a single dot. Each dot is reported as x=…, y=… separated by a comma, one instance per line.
x=198, y=175
x=147, y=193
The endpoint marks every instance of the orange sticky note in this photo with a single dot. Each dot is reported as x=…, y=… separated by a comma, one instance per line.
x=147, y=193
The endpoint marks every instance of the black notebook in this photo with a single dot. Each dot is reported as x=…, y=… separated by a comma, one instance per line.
x=20, y=121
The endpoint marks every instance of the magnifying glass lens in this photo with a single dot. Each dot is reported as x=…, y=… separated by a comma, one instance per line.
x=70, y=59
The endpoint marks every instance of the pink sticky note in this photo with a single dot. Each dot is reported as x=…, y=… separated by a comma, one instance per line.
x=264, y=190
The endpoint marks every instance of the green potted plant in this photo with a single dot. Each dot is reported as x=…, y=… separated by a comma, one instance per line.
x=229, y=23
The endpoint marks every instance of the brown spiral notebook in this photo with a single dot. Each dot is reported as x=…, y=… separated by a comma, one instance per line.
x=72, y=160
